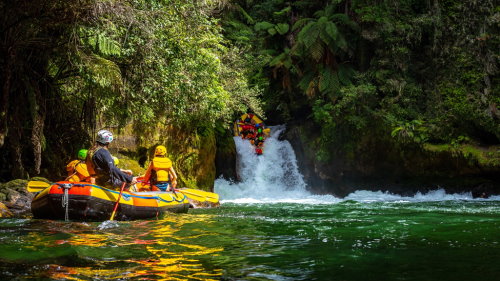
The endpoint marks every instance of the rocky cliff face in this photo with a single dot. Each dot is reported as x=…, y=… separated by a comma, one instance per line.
x=381, y=164
x=225, y=158
x=192, y=153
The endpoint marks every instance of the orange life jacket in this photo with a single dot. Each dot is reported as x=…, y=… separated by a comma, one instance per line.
x=77, y=171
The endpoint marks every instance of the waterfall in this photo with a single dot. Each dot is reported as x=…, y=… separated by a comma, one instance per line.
x=272, y=176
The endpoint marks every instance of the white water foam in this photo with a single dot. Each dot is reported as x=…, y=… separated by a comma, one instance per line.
x=273, y=177
x=108, y=225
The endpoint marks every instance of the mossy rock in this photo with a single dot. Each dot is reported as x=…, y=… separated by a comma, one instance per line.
x=12, y=195
x=4, y=211
x=40, y=179
x=17, y=185
x=133, y=165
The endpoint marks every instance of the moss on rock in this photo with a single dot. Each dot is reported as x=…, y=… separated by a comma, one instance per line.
x=4, y=211
x=129, y=164
x=17, y=185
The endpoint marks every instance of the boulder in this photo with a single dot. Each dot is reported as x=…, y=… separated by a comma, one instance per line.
x=16, y=198
x=4, y=211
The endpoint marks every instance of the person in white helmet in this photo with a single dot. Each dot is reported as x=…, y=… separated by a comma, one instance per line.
x=102, y=165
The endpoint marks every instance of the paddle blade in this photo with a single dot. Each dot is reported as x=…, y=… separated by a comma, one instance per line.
x=37, y=186
x=200, y=195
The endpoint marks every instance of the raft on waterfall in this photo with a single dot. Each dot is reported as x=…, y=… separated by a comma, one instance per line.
x=250, y=126
x=88, y=202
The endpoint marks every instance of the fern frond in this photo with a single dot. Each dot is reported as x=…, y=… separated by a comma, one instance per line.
x=332, y=30
x=311, y=89
x=300, y=23
x=263, y=25
x=107, y=46
x=282, y=28
x=284, y=11
x=103, y=72
x=305, y=81
x=278, y=60
x=345, y=73
x=249, y=19
x=309, y=34
x=342, y=43
x=317, y=50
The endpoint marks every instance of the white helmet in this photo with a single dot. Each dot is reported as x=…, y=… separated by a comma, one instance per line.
x=104, y=137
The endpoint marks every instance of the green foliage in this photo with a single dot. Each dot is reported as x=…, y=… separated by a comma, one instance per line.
x=108, y=63
x=412, y=131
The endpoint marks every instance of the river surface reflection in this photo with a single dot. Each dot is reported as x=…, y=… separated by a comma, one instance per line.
x=348, y=240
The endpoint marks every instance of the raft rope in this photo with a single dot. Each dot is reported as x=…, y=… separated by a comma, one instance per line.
x=127, y=196
x=65, y=201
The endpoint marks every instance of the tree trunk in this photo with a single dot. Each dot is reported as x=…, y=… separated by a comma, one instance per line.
x=4, y=106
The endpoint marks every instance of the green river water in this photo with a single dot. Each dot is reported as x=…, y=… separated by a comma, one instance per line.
x=342, y=240
x=270, y=227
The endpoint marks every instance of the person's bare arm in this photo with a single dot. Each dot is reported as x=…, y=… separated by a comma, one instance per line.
x=173, y=177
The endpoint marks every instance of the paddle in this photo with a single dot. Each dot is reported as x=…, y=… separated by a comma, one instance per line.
x=117, y=202
x=37, y=186
x=199, y=195
x=194, y=194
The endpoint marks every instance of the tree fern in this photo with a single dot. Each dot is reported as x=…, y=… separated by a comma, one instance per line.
x=102, y=71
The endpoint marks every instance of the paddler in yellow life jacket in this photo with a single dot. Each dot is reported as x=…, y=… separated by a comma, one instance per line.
x=160, y=173
x=77, y=169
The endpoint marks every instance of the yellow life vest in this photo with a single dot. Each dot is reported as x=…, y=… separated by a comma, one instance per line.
x=77, y=171
x=161, y=166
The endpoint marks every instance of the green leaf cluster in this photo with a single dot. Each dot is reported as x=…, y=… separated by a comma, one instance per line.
x=409, y=72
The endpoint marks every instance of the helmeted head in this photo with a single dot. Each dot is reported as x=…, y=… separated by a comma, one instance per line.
x=82, y=154
x=116, y=161
x=104, y=137
x=160, y=150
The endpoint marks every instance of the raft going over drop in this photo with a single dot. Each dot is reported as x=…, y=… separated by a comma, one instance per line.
x=251, y=127
x=82, y=201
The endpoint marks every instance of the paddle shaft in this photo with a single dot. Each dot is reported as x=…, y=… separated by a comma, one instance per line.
x=117, y=202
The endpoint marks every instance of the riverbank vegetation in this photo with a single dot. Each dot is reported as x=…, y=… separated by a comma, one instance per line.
x=70, y=68
x=377, y=87
x=360, y=75
x=420, y=71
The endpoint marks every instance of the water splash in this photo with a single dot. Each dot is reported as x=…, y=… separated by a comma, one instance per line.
x=274, y=177
x=108, y=224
